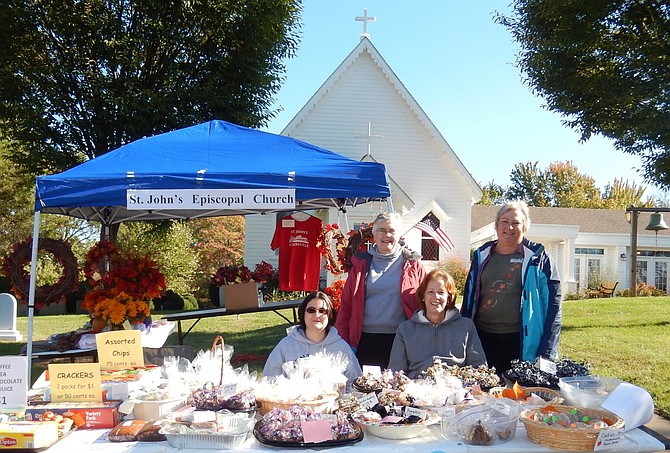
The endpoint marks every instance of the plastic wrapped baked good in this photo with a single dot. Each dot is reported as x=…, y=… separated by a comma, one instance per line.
x=126, y=431
x=150, y=432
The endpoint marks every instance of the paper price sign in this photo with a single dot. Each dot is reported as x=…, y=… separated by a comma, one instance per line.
x=13, y=385
x=75, y=382
x=368, y=400
x=607, y=438
x=120, y=349
x=546, y=365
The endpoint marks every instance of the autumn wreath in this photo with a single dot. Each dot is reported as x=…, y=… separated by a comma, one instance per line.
x=358, y=241
x=14, y=267
x=334, y=259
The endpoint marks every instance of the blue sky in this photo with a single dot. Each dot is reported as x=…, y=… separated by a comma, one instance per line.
x=459, y=66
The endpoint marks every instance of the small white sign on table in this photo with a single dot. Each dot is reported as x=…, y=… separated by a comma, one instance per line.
x=13, y=382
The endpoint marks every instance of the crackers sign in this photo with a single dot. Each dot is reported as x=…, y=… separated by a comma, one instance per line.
x=279, y=199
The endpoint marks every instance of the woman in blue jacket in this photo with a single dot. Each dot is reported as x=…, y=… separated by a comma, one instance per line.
x=513, y=293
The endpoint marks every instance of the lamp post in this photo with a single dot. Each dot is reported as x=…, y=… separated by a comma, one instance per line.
x=632, y=213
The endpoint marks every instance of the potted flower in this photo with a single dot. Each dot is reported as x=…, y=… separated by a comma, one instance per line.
x=239, y=287
x=122, y=287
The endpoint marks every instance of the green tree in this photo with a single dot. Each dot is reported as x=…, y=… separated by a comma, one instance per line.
x=17, y=204
x=81, y=78
x=570, y=188
x=620, y=195
x=529, y=183
x=604, y=65
x=170, y=244
x=562, y=185
x=219, y=241
x=493, y=193
x=17, y=195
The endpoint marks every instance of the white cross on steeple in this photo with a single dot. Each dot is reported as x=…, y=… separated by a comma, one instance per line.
x=365, y=19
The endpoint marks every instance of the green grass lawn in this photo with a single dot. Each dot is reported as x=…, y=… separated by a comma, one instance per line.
x=627, y=338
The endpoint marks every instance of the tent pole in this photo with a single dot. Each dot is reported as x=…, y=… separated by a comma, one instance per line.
x=31, y=294
x=389, y=204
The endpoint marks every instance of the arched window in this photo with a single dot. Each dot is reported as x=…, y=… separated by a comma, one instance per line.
x=430, y=251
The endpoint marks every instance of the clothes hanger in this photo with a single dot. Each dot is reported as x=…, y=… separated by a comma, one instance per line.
x=300, y=216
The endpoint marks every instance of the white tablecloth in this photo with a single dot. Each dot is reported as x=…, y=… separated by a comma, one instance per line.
x=430, y=441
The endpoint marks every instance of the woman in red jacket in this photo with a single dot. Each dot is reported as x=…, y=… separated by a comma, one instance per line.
x=379, y=292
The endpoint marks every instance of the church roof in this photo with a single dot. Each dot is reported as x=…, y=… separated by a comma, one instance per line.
x=612, y=221
x=365, y=46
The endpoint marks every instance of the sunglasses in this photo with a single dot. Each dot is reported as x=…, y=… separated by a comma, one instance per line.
x=312, y=310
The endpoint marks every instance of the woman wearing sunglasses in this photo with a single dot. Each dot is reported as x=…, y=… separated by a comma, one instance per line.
x=315, y=334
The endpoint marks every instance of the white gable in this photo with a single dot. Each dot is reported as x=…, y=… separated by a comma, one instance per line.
x=363, y=111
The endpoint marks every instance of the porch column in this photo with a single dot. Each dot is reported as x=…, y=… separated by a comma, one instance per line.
x=570, y=284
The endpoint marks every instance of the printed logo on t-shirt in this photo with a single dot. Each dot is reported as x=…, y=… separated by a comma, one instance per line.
x=298, y=241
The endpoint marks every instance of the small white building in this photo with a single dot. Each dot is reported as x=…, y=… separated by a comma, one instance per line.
x=363, y=111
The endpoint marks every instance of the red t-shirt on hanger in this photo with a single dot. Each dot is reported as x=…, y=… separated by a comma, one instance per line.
x=299, y=257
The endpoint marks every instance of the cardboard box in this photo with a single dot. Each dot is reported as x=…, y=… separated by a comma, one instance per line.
x=152, y=410
x=240, y=295
x=86, y=415
x=27, y=435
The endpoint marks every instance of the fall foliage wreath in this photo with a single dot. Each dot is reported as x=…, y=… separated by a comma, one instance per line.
x=358, y=241
x=14, y=267
x=334, y=259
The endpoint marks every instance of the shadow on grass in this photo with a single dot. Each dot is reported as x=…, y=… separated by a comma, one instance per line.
x=613, y=325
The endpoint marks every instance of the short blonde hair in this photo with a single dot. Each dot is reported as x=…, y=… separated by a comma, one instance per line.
x=520, y=206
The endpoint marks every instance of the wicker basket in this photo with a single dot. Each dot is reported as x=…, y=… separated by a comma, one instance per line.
x=548, y=395
x=325, y=404
x=571, y=439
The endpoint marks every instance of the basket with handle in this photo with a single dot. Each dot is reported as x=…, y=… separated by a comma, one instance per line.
x=209, y=396
x=572, y=439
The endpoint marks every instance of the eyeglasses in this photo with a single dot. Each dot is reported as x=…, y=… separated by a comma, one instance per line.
x=312, y=310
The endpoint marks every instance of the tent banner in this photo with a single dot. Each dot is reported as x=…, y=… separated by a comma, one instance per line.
x=166, y=199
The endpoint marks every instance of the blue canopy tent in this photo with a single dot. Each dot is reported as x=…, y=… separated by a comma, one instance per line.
x=207, y=158
x=212, y=155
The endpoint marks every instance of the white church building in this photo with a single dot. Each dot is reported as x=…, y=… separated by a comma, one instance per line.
x=428, y=180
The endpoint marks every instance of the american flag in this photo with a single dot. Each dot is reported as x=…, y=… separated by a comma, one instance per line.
x=431, y=229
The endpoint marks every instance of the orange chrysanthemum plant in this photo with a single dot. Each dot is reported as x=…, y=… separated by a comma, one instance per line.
x=122, y=286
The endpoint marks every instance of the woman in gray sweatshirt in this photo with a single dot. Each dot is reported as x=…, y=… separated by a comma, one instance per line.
x=436, y=329
x=315, y=334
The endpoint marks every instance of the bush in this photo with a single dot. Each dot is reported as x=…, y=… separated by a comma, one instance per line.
x=457, y=269
x=644, y=290
x=170, y=301
x=190, y=302
x=5, y=284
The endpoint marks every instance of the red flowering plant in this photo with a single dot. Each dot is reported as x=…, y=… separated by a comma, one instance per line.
x=122, y=285
x=263, y=272
x=334, y=291
x=229, y=275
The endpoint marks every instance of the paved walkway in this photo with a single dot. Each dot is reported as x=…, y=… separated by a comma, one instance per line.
x=660, y=425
